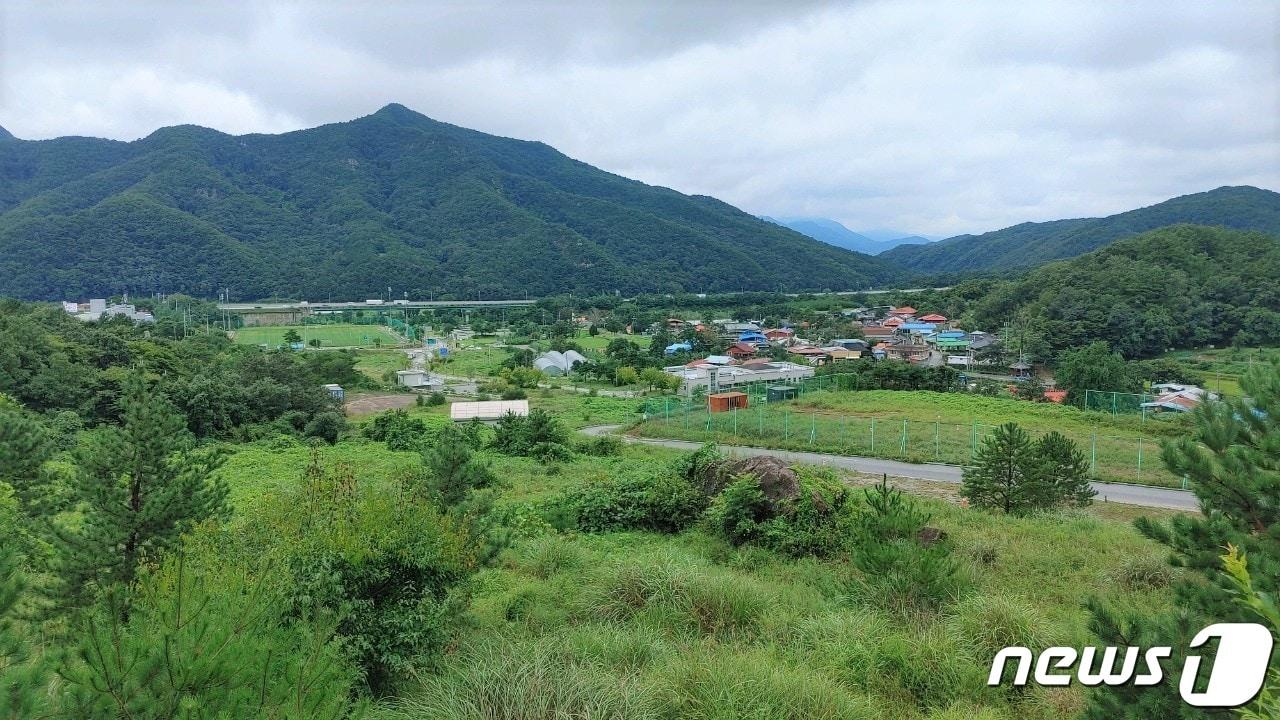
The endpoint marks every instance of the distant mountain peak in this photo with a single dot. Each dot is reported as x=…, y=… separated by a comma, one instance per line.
x=6, y=135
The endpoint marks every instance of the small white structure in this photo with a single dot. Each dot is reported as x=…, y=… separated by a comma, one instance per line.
x=487, y=410
x=419, y=379
x=335, y=391
x=716, y=378
x=97, y=309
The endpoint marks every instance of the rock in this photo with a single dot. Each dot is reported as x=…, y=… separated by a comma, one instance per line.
x=777, y=480
x=930, y=535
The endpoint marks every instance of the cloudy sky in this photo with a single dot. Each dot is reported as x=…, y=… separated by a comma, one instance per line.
x=935, y=118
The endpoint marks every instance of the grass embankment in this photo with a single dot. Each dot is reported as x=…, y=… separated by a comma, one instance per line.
x=925, y=427
x=328, y=335
x=641, y=625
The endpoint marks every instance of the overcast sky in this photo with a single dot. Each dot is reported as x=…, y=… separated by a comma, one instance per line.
x=932, y=118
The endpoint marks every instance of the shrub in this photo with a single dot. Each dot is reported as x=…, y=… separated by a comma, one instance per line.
x=386, y=566
x=516, y=435
x=989, y=623
x=1142, y=572
x=808, y=524
x=327, y=426
x=436, y=399
x=601, y=446
x=662, y=503
x=496, y=680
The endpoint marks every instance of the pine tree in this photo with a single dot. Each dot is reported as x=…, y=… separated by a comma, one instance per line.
x=452, y=470
x=1007, y=474
x=21, y=674
x=1066, y=472
x=1232, y=462
x=139, y=487
x=24, y=446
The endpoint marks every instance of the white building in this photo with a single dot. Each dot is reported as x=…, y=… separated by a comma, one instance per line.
x=419, y=379
x=487, y=410
x=716, y=378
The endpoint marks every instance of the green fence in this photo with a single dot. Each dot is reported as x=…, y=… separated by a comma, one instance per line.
x=1117, y=403
x=778, y=425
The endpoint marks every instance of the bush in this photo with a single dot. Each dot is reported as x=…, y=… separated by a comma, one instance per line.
x=990, y=623
x=662, y=503
x=525, y=436
x=1142, y=572
x=600, y=446
x=386, y=566
x=808, y=524
x=497, y=680
x=436, y=399
x=327, y=426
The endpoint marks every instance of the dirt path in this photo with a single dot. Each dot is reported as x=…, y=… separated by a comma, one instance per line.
x=366, y=404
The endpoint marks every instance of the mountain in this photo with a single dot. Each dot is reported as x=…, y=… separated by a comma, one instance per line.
x=1176, y=287
x=834, y=233
x=394, y=199
x=1028, y=244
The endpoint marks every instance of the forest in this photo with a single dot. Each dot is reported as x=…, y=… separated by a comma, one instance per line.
x=393, y=199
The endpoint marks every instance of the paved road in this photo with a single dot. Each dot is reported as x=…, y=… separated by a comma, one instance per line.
x=1110, y=492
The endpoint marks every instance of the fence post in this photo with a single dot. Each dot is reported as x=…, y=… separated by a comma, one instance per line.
x=843, y=420
x=873, y=436
x=903, y=443
x=786, y=424
x=973, y=439
x=937, y=440
x=1113, y=403
x=1139, y=458
x=666, y=411
x=813, y=427
x=1093, y=455
x=735, y=423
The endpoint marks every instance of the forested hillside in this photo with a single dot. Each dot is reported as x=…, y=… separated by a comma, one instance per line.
x=394, y=200
x=1029, y=244
x=1181, y=286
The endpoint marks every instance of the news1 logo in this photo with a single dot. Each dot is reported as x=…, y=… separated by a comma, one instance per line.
x=1238, y=672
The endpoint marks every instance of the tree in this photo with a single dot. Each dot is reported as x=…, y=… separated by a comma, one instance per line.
x=653, y=377
x=452, y=471
x=1066, y=472
x=327, y=426
x=1232, y=463
x=1007, y=473
x=140, y=487
x=291, y=337
x=1031, y=389
x=886, y=547
x=1093, y=367
x=626, y=376
x=21, y=675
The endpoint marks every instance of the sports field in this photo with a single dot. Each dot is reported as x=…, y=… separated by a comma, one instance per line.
x=328, y=335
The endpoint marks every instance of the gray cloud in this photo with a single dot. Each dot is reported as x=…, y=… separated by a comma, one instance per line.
x=931, y=117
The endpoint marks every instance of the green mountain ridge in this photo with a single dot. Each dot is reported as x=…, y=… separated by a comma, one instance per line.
x=1030, y=244
x=1180, y=286
x=394, y=199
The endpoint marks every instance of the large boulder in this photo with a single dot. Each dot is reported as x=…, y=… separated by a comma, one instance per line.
x=777, y=480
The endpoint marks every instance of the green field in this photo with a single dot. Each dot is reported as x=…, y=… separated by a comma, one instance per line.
x=922, y=427
x=328, y=335
x=645, y=625
x=1222, y=367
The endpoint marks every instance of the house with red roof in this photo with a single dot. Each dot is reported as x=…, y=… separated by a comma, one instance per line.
x=906, y=311
x=933, y=318
x=779, y=334
x=741, y=351
x=893, y=322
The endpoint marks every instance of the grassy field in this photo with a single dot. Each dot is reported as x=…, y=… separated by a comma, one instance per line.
x=642, y=625
x=473, y=361
x=925, y=427
x=1222, y=367
x=376, y=363
x=328, y=335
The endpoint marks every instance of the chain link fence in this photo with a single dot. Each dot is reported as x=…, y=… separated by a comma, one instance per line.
x=1132, y=459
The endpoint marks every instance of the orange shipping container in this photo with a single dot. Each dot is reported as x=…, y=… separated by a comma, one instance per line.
x=725, y=401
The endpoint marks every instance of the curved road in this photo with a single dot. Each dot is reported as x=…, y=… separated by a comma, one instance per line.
x=1110, y=492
